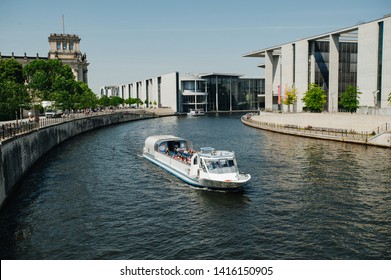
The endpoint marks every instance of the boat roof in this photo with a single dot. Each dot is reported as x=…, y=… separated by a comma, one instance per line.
x=151, y=140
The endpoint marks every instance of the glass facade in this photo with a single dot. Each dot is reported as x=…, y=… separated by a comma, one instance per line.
x=347, y=66
x=231, y=93
x=379, y=63
x=188, y=85
x=194, y=94
x=253, y=92
x=321, y=53
x=347, y=74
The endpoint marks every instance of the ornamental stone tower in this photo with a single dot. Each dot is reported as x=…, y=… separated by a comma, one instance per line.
x=66, y=47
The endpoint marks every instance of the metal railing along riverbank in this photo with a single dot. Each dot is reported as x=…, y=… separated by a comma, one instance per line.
x=11, y=129
x=319, y=132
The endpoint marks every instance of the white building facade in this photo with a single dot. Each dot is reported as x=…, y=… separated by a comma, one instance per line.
x=358, y=56
x=161, y=91
x=212, y=92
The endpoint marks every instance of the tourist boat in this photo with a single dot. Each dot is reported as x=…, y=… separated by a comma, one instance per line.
x=196, y=112
x=208, y=169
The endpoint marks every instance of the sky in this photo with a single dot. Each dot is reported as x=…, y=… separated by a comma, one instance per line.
x=128, y=41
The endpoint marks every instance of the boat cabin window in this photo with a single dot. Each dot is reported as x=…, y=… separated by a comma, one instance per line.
x=171, y=146
x=220, y=166
x=174, y=146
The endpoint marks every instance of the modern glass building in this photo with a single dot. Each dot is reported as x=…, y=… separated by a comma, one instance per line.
x=193, y=93
x=214, y=92
x=359, y=56
x=230, y=92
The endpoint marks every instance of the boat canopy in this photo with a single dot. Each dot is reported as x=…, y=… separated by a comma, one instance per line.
x=162, y=142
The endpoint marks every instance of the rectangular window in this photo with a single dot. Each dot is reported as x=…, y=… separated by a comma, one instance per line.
x=71, y=46
x=64, y=45
x=58, y=46
x=201, y=85
x=379, y=63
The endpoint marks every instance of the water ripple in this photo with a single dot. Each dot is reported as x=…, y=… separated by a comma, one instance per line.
x=93, y=197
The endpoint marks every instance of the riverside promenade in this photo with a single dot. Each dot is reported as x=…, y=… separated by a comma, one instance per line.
x=9, y=129
x=360, y=129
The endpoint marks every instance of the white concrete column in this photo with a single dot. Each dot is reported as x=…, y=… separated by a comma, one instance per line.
x=367, y=57
x=312, y=62
x=301, y=71
x=269, y=80
x=333, y=73
x=287, y=71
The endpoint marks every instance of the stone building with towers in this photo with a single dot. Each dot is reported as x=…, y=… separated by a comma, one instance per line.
x=64, y=47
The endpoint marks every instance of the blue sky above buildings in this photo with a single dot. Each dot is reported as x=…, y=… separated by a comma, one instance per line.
x=126, y=41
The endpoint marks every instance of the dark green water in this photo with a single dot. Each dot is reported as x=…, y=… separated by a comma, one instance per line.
x=93, y=197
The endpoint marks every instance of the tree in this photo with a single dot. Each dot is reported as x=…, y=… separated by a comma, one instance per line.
x=13, y=97
x=104, y=101
x=139, y=102
x=389, y=98
x=13, y=93
x=314, y=98
x=11, y=70
x=43, y=77
x=130, y=101
x=86, y=97
x=290, y=97
x=63, y=92
x=115, y=101
x=350, y=99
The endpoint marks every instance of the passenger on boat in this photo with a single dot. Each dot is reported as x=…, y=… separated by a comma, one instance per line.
x=162, y=148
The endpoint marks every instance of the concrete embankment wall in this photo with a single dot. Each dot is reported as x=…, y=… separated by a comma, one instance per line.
x=19, y=153
x=381, y=140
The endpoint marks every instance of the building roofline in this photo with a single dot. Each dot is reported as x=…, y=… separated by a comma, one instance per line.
x=22, y=57
x=261, y=52
x=220, y=74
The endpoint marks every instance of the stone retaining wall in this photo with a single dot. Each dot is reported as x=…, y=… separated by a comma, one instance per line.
x=19, y=153
x=382, y=139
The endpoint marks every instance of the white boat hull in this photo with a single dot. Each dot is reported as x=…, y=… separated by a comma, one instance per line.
x=229, y=186
x=206, y=169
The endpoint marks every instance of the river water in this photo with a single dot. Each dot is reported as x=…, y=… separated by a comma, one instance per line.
x=93, y=197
